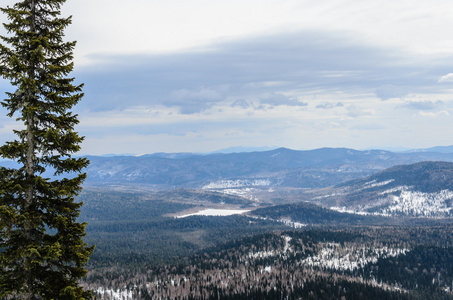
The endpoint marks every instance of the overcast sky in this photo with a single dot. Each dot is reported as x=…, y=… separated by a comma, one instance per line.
x=202, y=75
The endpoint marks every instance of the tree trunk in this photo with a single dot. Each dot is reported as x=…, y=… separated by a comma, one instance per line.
x=30, y=168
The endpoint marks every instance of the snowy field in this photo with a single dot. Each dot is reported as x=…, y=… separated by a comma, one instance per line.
x=216, y=212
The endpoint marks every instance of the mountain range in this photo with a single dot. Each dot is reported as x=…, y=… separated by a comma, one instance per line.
x=418, y=183
x=279, y=167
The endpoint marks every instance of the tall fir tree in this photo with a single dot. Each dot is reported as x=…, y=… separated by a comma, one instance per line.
x=42, y=254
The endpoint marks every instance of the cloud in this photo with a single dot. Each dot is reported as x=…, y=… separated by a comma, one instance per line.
x=368, y=127
x=273, y=64
x=195, y=101
x=242, y=103
x=446, y=78
x=280, y=99
x=434, y=114
x=358, y=111
x=325, y=125
x=388, y=91
x=329, y=105
x=422, y=105
x=265, y=71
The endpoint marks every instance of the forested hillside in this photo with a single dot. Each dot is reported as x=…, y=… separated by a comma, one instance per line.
x=359, y=263
x=424, y=189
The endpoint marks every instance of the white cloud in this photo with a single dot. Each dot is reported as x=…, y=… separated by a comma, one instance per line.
x=446, y=78
x=434, y=114
x=358, y=111
x=329, y=105
x=143, y=26
x=277, y=99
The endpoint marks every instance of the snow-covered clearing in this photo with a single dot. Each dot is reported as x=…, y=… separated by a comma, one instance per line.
x=224, y=184
x=374, y=183
x=404, y=201
x=246, y=193
x=115, y=294
x=216, y=212
x=337, y=257
x=287, y=222
x=421, y=204
x=272, y=253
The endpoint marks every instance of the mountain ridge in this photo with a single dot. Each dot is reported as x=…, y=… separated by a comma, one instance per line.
x=281, y=167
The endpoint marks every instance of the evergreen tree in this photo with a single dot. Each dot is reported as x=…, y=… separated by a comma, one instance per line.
x=42, y=254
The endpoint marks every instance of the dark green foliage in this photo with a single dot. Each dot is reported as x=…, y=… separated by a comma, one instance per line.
x=236, y=269
x=309, y=213
x=321, y=288
x=42, y=252
x=424, y=267
x=190, y=257
x=127, y=224
x=163, y=240
x=101, y=205
x=427, y=177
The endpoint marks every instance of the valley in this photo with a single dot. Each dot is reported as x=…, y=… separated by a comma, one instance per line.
x=321, y=224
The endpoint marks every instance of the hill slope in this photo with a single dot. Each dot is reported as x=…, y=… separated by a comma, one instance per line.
x=423, y=189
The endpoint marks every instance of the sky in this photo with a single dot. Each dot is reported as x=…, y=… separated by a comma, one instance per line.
x=203, y=75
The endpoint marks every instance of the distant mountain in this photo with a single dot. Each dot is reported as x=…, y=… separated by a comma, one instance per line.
x=439, y=149
x=244, y=149
x=279, y=167
x=168, y=155
x=423, y=189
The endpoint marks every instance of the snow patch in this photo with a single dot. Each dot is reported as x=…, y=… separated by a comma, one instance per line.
x=373, y=183
x=246, y=193
x=402, y=201
x=337, y=257
x=216, y=212
x=344, y=209
x=287, y=222
x=327, y=196
x=419, y=204
x=115, y=294
x=268, y=269
x=274, y=253
x=224, y=184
